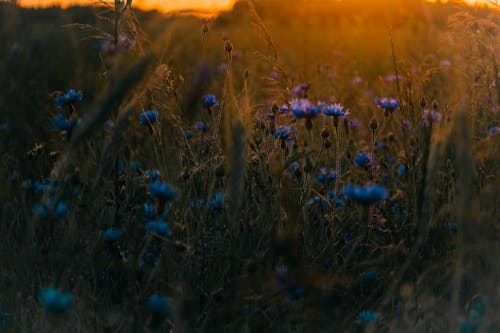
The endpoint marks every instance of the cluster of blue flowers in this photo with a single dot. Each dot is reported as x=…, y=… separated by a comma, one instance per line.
x=149, y=117
x=365, y=195
x=69, y=98
x=55, y=301
x=162, y=191
x=111, y=235
x=388, y=105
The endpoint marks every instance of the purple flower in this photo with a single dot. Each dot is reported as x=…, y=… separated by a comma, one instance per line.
x=388, y=105
x=445, y=63
x=285, y=133
x=430, y=116
x=357, y=80
x=301, y=90
x=335, y=110
x=494, y=130
x=304, y=109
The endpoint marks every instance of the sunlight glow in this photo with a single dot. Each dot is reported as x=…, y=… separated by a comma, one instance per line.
x=211, y=6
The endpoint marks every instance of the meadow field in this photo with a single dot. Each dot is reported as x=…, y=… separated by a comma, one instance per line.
x=286, y=166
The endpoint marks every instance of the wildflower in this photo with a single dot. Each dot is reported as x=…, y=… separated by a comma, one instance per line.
x=209, y=101
x=283, y=282
x=189, y=135
x=285, y=133
x=40, y=210
x=108, y=124
x=149, y=117
x=357, y=80
x=494, y=130
x=368, y=317
x=401, y=169
x=365, y=195
x=363, y=160
x=217, y=204
x=159, y=306
x=388, y=105
x=108, y=45
x=223, y=67
x=304, y=109
x=326, y=177
x=160, y=228
x=430, y=116
x=201, y=126
x=406, y=125
x=111, y=235
x=445, y=63
x=301, y=90
x=153, y=175
x=392, y=78
x=353, y=123
x=335, y=110
x=149, y=211
x=55, y=301
x=61, y=124
x=61, y=210
x=70, y=98
x=134, y=166
x=163, y=191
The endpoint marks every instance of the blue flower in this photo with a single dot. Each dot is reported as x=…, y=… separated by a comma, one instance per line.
x=217, y=204
x=494, y=130
x=363, y=160
x=401, y=169
x=163, y=191
x=55, y=301
x=209, y=101
x=365, y=195
x=40, y=210
x=134, y=166
x=158, y=305
x=189, y=135
x=149, y=211
x=201, y=126
x=304, y=109
x=285, y=133
x=368, y=317
x=111, y=235
x=61, y=210
x=61, y=124
x=429, y=116
x=149, y=117
x=71, y=97
x=388, y=105
x=153, y=175
x=326, y=177
x=160, y=228
x=335, y=110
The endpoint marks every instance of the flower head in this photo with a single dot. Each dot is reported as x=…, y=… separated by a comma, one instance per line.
x=335, y=110
x=365, y=195
x=363, y=160
x=494, y=130
x=201, y=126
x=209, y=101
x=70, y=98
x=55, y=301
x=430, y=116
x=111, y=235
x=62, y=125
x=61, y=210
x=160, y=228
x=285, y=133
x=388, y=105
x=163, y=191
x=158, y=305
x=304, y=109
x=149, y=117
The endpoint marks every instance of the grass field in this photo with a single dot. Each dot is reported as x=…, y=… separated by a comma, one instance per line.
x=286, y=166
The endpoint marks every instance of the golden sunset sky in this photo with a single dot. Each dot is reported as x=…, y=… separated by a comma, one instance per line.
x=165, y=5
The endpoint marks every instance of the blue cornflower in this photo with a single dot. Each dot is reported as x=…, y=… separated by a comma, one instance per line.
x=217, y=204
x=209, y=101
x=363, y=160
x=285, y=133
x=326, y=176
x=61, y=210
x=61, y=124
x=134, y=166
x=365, y=195
x=149, y=211
x=429, y=117
x=304, y=109
x=153, y=175
x=158, y=305
x=494, y=130
x=71, y=97
x=388, y=105
x=407, y=125
x=55, y=301
x=40, y=210
x=189, y=135
x=149, y=117
x=335, y=110
x=160, y=228
x=301, y=90
x=401, y=169
x=201, y=126
x=111, y=235
x=163, y=191
x=367, y=317
x=368, y=277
